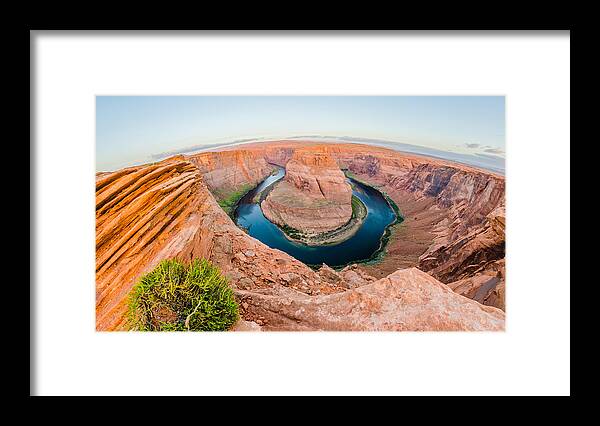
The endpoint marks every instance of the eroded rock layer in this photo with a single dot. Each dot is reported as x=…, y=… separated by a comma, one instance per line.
x=486, y=286
x=407, y=300
x=314, y=196
x=226, y=171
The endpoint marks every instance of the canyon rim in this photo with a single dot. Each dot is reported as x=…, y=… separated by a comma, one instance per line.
x=302, y=233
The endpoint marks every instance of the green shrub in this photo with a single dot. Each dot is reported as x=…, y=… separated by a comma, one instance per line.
x=292, y=232
x=179, y=297
x=358, y=207
x=228, y=201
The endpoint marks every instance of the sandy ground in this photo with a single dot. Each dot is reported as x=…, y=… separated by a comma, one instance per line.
x=410, y=238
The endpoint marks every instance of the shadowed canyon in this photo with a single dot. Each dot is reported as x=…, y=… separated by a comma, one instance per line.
x=438, y=267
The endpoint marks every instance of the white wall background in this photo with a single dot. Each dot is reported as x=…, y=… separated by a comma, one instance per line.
x=531, y=357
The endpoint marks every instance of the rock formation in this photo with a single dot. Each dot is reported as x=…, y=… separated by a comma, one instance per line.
x=453, y=214
x=487, y=286
x=407, y=300
x=225, y=171
x=314, y=196
x=468, y=253
x=148, y=213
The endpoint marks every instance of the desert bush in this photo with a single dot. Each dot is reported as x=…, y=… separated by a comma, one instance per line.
x=228, y=201
x=182, y=297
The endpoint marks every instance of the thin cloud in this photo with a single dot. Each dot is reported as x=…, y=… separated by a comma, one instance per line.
x=494, y=150
x=192, y=148
x=472, y=145
x=490, y=157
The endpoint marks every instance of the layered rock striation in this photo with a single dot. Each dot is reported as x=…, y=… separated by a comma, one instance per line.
x=456, y=212
x=313, y=198
x=487, y=285
x=224, y=172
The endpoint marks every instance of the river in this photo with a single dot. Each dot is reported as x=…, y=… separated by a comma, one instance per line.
x=361, y=246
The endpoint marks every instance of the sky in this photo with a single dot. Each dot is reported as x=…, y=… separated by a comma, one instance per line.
x=134, y=130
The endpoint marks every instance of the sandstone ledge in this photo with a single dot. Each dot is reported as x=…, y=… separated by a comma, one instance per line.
x=407, y=300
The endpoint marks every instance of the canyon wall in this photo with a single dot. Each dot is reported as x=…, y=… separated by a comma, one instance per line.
x=278, y=155
x=454, y=219
x=468, y=230
x=471, y=202
x=471, y=233
x=226, y=171
x=487, y=286
x=149, y=213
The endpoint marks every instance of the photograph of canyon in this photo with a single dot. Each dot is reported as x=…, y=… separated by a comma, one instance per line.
x=300, y=213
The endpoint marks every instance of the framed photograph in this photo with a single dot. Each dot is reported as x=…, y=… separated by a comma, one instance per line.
x=306, y=231
x=307, y=204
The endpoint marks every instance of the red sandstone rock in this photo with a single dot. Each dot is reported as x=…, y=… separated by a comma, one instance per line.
x=466, y=255
x=486, y=286
x=314, y=196
x=228, y=170
x=407, y=300
x=243, y=325
x=354, y=276
x=316, y=173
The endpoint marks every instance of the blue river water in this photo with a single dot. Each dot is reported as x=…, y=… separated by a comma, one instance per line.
x=361, y=246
